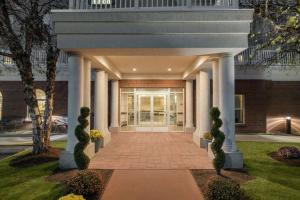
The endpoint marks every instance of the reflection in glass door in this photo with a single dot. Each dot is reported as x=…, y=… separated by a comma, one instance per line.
x=159, y=110
x=145, y=110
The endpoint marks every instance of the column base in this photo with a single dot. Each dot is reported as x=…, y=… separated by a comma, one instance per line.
x=234, y=160
x=196, y=138
x=107, y=139
x=67, y=161
x=189, y=129
x=114, y=129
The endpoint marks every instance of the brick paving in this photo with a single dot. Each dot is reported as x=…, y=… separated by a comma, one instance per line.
x=151, y=151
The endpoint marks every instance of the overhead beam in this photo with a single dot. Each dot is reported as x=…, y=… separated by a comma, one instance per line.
x=195, y=67
x=108, y=66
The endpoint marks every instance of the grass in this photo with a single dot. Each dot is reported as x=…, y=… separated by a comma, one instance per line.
x=274, y=180
x=29, y=183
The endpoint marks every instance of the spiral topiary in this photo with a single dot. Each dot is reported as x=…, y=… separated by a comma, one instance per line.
x=81, y=159
x=218, y=140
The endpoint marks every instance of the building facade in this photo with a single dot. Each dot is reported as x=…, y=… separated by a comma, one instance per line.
x=159, y=66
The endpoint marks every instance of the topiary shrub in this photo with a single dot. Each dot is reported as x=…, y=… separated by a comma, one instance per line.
x=288, y=152
x=208, y=136
x=218, y=140
x=86, y=183
x=219, y=188
x=81, y=159
x=72, y=197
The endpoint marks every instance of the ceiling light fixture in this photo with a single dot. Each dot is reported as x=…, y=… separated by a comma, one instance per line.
x=169, y=69
x=134, y=69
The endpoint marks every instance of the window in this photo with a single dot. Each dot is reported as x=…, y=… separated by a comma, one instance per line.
x=239, y=109
x=7, y=60
x=1, y=105
x=41, y=98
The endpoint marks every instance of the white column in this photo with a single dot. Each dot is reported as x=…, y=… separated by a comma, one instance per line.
x=75, y=97
x=100, y=107
x=204, y=92
x=189, y=127
x=226, y=101
x=233, y=158
x=215, y=77
x=106, y=103
x=114, y=126
x=87, y=86
x=203, y=105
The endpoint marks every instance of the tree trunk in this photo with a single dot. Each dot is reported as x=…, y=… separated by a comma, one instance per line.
x=52, y=56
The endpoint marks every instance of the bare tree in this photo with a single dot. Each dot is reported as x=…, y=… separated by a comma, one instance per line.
x=276, y=27
x=25, y=25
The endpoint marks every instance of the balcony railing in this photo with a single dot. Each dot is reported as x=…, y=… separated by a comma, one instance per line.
x=266, y=57
x=102, y=5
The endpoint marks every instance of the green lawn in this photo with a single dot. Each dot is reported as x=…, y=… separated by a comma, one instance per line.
x=28, y=183
x=274, y=180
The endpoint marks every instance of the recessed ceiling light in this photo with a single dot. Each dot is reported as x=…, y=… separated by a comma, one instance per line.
x=169, y=69
x=134, y=69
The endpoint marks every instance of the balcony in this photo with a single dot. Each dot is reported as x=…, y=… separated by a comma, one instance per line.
x=151, y=5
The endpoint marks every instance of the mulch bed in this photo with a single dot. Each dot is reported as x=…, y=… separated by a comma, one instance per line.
x=30, y=159
x=63, y=176
x=202, y=177
x=290, y=162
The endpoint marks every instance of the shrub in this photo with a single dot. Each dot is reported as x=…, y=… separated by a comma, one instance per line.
x=288, y=152
x=81, y=159
x=208, y=136
x=219, y=188
x=218, y=140
x=72, y=197
x=85, y=183
x=95, y=135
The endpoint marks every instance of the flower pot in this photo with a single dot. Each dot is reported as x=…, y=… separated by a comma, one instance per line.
x=98, y=144
x=204, y=143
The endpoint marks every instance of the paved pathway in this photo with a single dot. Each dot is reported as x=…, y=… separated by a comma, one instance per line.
x=152, y=185
x=151, y=151
x=269, y=138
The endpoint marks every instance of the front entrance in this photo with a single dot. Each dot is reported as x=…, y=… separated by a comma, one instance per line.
x=152, y=110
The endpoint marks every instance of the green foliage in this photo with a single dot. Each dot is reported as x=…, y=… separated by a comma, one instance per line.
x=218, y=140
x=220, y=188
x=85, y=183
x=208, y=136
x=81, y=159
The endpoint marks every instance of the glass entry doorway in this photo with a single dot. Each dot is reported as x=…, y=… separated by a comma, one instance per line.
x=152, y=110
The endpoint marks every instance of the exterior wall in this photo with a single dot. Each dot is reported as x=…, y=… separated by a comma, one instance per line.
x=267, y=103
x=13, y=98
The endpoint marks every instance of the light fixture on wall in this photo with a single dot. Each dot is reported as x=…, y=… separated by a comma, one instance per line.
x=169, y=69
x=134, y=69
x=288, y=125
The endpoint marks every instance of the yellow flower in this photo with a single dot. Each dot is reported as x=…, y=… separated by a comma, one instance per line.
x=72, y=197
x=96, y=134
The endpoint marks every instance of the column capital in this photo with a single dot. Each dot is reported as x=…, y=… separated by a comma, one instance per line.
x=227, y=54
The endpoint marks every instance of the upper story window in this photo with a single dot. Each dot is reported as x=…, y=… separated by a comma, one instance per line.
x=1, y=105
x=239, y=109
x=7, y=60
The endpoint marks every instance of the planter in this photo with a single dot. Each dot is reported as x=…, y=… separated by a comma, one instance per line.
x=98, y=144
x=204, y=143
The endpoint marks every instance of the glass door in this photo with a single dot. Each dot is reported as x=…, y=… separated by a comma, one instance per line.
x=145, y=110
x=159, y=110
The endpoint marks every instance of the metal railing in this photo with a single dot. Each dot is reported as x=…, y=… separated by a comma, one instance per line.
x=268, y=57
x=151, y=4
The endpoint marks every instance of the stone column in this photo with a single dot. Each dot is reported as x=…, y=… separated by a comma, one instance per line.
x=114, y=125
x=234, y=159
x=215, y=77
x=100, y=107
x=204, y=92
x=87, y=86
x=203, y=106
x=75, y=102
x=189, y=126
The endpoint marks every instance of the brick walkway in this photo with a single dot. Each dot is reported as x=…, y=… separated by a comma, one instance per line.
x=151, y=151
